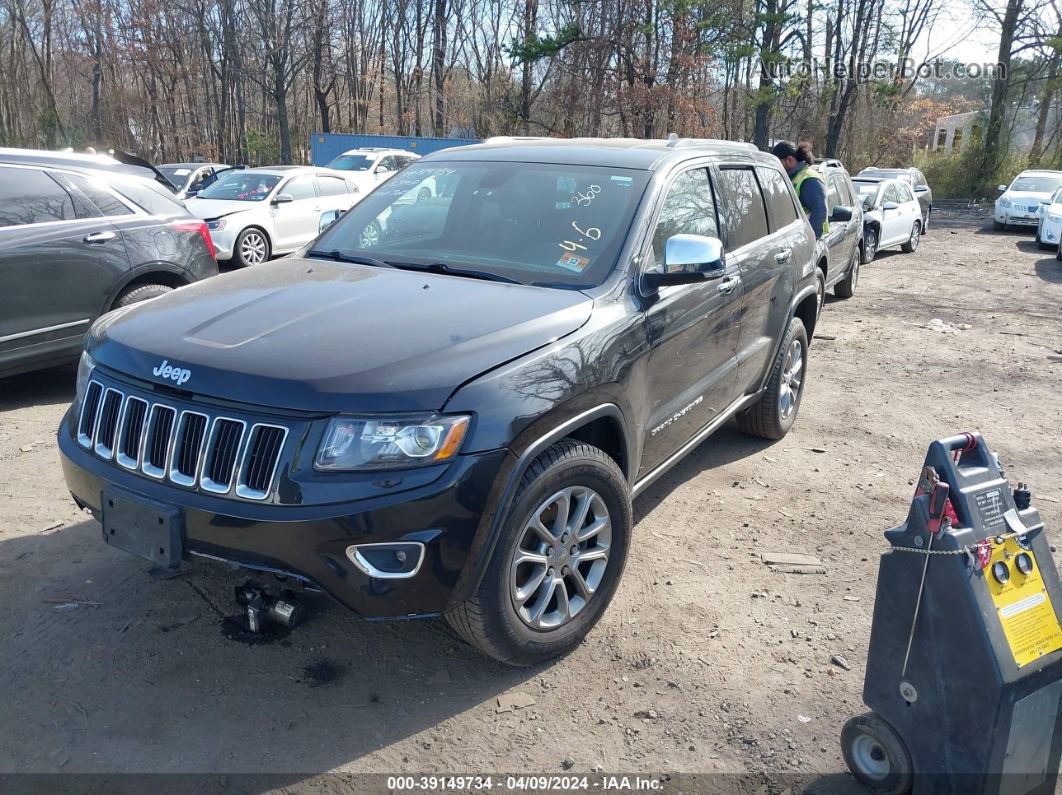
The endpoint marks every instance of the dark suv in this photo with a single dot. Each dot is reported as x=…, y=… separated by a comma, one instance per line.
x=80, y=235
x=454, y=419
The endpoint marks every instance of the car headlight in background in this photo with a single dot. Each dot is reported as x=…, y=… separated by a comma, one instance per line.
x=362, y=443
x=84, y=373
x=1054, y=216
x=216, y=225
x=1004, y=202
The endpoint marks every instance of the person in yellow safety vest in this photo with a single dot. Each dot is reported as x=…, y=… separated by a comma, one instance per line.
x=808, y=182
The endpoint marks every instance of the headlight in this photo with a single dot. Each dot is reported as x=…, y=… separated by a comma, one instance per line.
x=361, y=443
x=1004, y=202
x=84, y=373
x=216, y=225
x=1055, y=216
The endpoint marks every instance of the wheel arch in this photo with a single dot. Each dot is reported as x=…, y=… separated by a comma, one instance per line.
x=150, y=273
x=602, y=424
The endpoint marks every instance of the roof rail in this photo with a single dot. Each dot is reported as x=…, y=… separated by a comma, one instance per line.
x=691, y=142
x=505, y=139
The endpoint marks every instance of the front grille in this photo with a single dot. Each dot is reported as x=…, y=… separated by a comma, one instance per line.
x=188, y=448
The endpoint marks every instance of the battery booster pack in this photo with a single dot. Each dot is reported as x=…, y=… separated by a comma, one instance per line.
x=964, y=670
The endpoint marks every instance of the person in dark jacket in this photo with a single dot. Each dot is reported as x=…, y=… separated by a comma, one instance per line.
x=809, y=184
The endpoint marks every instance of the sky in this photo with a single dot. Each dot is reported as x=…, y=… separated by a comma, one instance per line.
x=958, y=35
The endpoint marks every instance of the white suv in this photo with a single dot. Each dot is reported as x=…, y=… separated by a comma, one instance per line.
x=256, y=213
x=369, y=166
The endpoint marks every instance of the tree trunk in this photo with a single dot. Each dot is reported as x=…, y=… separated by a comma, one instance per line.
x=1048, y=98
x=1000, y=90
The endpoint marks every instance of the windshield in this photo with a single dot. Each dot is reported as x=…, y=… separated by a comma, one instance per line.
x=351, y=163
x=867, y=191
x=533, y=223
x=241, y=186
x=1036, y=184
x=177, y=175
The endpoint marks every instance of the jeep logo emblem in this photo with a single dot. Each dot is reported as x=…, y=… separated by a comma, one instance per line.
x=175, y=374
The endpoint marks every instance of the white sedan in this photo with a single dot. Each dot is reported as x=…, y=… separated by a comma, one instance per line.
x=1049, y=227
x=1019, y=204
x=257, y=213
x=892, y=215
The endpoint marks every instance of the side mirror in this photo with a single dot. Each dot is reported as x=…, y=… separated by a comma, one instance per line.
x=688, y=259
x=1045, y=201
x=889, y=206
x=283, y=198
x=327, y=219
x=382, y=170
x=1001, y=188
x=842, y=214
x=921, y=189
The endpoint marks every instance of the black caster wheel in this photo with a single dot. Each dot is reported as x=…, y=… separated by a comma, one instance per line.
x=876, y=755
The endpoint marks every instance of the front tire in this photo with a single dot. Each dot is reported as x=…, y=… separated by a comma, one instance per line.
x=870, y=246
x=847, y=287
x=252, y=247
x=775, y=412
x=876, y=755
x=557, y=562
x=912, y=242
x=999, y=226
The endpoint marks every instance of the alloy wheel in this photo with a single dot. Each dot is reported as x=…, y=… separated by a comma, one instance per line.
x=253, y=248
x=792, y=379
x=916, y=235
x=871, y=246
x=560, y=558
x=853, y=269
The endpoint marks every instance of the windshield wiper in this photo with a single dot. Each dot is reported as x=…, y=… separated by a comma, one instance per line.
x=354, y=259
x=449, y=270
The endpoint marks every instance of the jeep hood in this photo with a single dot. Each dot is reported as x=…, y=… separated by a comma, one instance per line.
x=323, y=336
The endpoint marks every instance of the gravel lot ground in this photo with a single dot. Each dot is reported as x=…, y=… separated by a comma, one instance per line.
x=707, y=662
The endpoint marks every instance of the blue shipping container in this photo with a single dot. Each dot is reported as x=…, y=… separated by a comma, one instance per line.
x=327, y=146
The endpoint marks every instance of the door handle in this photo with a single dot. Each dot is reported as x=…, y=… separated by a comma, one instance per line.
x=99, y=237
x=727, y=285
x=783, y=255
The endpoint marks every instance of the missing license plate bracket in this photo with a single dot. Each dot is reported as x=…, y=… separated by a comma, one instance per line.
x=148, y=529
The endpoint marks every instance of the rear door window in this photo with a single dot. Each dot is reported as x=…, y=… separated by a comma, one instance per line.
x=689, y=209
x=781, y=211
x=743, y=210
x=331, y=186
x=300, y=188
x=149, y=195
x=30, y=196
x=106, y=202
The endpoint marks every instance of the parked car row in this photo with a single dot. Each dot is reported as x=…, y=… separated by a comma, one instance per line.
x=1033, y=199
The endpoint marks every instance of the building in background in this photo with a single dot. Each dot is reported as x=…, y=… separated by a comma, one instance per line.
x=956, y=131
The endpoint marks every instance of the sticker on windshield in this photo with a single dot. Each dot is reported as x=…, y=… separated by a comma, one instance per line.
x=573, y=262
x=626, y=182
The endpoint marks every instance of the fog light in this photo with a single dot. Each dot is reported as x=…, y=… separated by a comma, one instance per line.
x=393, y=560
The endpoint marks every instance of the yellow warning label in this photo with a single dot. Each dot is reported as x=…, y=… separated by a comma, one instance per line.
x=1022, y=602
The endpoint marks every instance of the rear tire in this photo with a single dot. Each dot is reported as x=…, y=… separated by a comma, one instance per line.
x=134, y=295
x=912, y=242
x=876, y=755
x=847, y=287
x=775, y=412
x=532, y=603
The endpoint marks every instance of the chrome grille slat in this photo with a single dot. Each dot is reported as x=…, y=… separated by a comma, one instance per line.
x=221, y=455
x=86, y=424
x=219, y=468
x=157, y=441
x=260, y=461
x=108, y=419
x=131, y=432
x=188, y=447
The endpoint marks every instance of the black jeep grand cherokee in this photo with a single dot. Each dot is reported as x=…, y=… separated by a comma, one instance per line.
x=451, y=412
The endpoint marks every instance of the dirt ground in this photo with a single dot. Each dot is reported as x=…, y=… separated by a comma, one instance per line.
x=707, y=661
